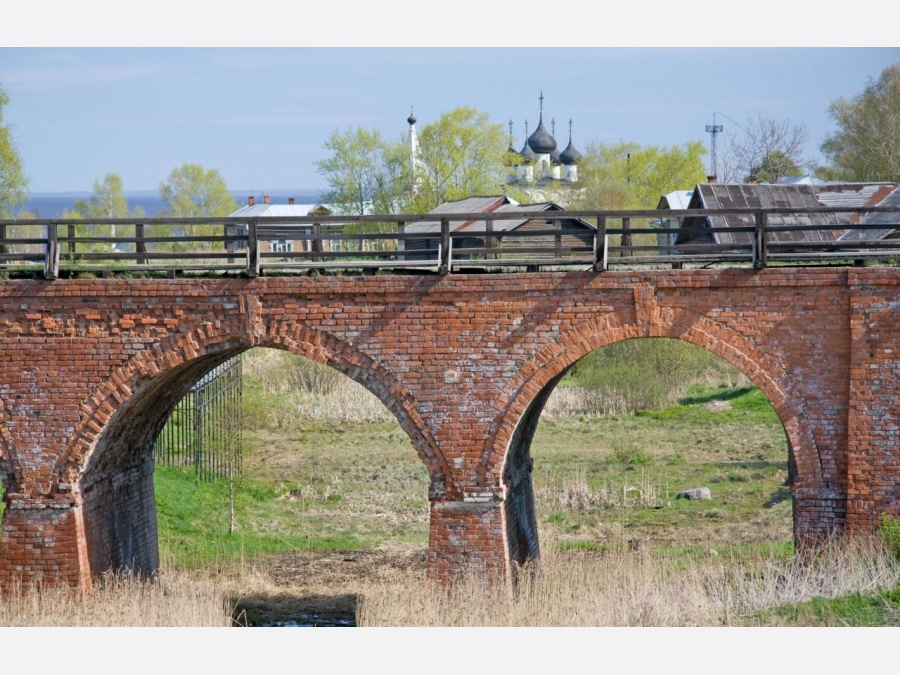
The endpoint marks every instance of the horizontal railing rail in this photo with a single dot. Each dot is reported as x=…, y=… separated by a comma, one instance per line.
x=444, y=243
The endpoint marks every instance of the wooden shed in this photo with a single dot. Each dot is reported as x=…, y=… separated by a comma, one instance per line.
x=573, y=233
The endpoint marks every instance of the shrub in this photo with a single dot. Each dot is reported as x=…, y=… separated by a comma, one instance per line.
x=630, y=454
x=646, y=374
x=890, y=532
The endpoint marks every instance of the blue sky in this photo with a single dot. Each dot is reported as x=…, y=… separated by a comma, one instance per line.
x=260, y=115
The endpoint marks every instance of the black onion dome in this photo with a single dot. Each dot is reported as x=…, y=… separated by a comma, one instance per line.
x=527, y=154
x=540, y=141
x=570, y=155
x=411, y=119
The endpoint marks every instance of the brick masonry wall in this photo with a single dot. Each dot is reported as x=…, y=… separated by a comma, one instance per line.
x=874, y=405
x=88, y=368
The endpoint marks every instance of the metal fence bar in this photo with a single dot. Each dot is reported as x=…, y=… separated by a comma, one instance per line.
x=204, y=431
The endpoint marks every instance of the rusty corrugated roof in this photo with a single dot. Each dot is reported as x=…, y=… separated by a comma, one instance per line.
x=765, y=196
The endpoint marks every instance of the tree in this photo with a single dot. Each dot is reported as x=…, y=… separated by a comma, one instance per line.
x=866, y=145
x=364, y=172
x=13, y=182
x=767, y=149
x=626, y=175
x=773, y=167
x=193, y=192
x=107, y=201
x=464, y=154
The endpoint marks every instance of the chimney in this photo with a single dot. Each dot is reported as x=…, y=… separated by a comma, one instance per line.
x=712, y=179
x=290, y=200
x=250, y=201
x=265, y=199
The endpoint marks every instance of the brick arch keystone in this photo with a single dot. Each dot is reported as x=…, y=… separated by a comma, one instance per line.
x=555, y=357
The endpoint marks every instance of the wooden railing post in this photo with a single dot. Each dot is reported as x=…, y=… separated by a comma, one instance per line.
x=626, y=237
x=490, y=241
x=317, y=243
x=760, y=244
x=444, y=254
x=600, y=245
x=140, y=246
x=70, y=235
x=252, y=250
x=2, y=238
x=557, y=242
x=51, y=260
x=401, y=243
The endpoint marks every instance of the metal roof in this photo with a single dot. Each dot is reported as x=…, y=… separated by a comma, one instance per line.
x=887, y=218
x=849, y=194
x=484, y=205
x=467, y=205
x=275, y=210
x=675, y=200
x=796, y=196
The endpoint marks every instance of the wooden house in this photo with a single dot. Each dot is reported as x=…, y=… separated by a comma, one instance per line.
x=569, y=233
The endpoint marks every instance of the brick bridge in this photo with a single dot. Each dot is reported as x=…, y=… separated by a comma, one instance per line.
x=90, y=370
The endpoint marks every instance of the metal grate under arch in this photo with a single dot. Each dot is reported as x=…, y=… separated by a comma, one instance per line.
x=205, y=431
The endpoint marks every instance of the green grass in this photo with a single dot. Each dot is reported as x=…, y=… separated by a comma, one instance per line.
x=193, y=521
x=855, y=610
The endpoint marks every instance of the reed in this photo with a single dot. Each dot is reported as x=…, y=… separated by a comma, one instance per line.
x=175, y=599
x=637, y=588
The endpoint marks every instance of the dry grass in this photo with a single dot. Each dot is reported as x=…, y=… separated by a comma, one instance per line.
x=389, y=587
x=173, y=600
x=635, y=589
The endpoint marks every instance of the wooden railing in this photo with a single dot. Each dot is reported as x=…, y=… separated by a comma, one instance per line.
x=586, y=240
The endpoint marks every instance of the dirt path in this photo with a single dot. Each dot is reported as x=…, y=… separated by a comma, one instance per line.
x=319, y=588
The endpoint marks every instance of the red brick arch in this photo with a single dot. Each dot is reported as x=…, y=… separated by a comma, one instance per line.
x=555, y=357
x=210, y=339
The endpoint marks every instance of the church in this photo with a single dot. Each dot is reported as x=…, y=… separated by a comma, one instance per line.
x=539, y=169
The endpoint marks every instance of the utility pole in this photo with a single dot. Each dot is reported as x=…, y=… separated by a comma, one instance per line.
x=712, y=130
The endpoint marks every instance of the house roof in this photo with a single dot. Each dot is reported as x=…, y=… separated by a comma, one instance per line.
x=797, y=196
x=891, y=219
x=484, y=205
x=274, y=210
x=675, y=200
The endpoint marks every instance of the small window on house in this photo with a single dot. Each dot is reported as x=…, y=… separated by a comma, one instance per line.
x=282, y=246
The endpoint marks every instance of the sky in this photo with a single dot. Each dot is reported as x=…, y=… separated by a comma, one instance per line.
x=83, y=105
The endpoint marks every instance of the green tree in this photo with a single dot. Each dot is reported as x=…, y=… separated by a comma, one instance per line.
x=773, y=167
x=626, y=175
x=13, y=182
x=464, y=154
x=866, y=145
x=365, y=173
x=107, y=201
x=193, y=192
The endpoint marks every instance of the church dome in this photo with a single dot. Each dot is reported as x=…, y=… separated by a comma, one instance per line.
x=541, y=142
x=570, y=155
x=527, y=154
